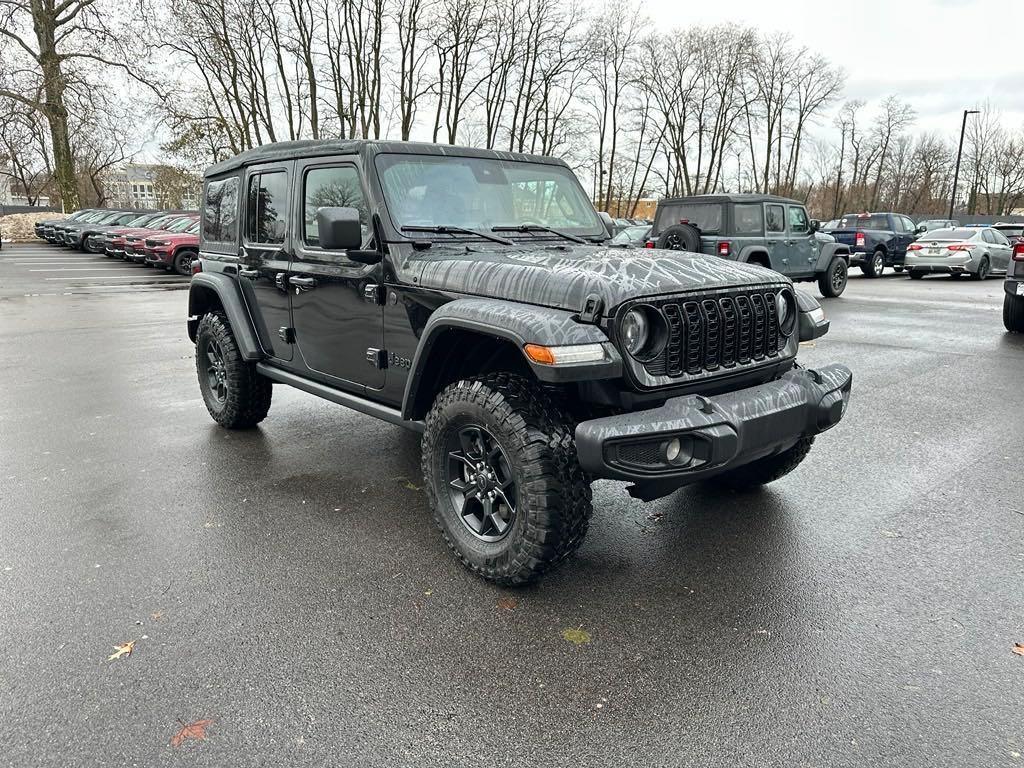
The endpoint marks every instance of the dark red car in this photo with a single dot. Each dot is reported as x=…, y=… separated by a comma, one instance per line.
x=174, y=251
x=114, y=241
x=135, y=243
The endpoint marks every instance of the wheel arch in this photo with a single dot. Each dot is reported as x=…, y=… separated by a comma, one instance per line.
x=755, y=254
x=476, y=336
x=210, y=292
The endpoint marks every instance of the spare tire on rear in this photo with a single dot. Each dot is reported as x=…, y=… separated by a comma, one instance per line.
x=680, y=237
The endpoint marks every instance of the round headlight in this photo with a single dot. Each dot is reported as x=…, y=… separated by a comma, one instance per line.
x=785, y=310
x=634, y=331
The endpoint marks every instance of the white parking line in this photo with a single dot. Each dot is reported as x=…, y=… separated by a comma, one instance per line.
x=79, y=269
x=147, y=278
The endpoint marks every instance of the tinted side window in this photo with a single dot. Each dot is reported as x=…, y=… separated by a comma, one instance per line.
x=798, y=224
x=986, y=235
x=749, y=219
x=266, y=207
x=220, y=206
x=897, y=224
x=908, y=225
x=337, y=187
x=775, y=218
x=999, y=237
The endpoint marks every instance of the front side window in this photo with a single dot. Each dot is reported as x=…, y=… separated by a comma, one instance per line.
x=336, y=187
x=484, y=194
x=798, y=223
x=775, y=218
x=220, y=211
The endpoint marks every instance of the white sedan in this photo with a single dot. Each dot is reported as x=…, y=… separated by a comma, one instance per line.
x=977, y=251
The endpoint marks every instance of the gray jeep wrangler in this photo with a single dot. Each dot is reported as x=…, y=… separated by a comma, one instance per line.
x=774, y=232
x=470, y=295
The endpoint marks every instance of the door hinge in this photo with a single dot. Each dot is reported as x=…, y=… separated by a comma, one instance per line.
x=287, y=334
x=375, y=294
x=378, y=358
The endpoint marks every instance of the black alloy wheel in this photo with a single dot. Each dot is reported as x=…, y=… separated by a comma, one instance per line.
x=481, y=483
x=183, y=263
x=216, y=371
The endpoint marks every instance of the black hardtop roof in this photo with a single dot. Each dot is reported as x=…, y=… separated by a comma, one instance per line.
x=290, y=150
x=738, y=197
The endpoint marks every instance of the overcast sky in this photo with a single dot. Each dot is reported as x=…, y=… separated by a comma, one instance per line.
x=941, y=56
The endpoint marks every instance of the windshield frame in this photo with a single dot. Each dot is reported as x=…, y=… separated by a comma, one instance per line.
x=383, y=161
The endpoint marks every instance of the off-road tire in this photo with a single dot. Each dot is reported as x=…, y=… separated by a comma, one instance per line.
x=680, y=237
x=828, y=282
x=1013, y=313
x=553, y=499
x=183, y=262
x=766, y=470
x=874, y=267
x=915, y=274
x=983, y=269
x=248, y=393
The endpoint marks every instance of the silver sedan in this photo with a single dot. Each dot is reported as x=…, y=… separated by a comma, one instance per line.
x=976, y=251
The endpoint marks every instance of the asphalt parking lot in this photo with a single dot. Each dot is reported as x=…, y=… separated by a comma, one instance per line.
x=288, y=584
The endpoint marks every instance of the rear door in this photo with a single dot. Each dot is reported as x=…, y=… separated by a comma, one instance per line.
x=265, y=253
x=776, y=237
x=339, y=325
x=803, y=245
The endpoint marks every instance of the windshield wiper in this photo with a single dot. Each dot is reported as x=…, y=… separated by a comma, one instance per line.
x=540, y=228
x=445, y=229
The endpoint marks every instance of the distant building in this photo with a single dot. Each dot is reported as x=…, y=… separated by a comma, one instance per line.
x=138, y=185
x=11, y=194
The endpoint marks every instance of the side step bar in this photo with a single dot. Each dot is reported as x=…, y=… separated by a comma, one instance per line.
x=354, y=402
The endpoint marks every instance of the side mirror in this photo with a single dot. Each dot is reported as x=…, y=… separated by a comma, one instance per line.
x=609, y=222
x=815, y=225
x=921, y=229
x=339, y=229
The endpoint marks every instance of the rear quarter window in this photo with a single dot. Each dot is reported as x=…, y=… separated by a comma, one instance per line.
x=220, y=211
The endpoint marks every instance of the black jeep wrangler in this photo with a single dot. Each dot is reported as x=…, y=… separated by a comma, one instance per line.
x=772, y=231
x=470, y=295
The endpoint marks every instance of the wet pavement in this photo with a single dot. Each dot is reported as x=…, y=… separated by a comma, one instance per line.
x=288, y=583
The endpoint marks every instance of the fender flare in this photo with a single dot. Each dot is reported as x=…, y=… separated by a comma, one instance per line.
x=828, y=250
x=750, y=250
x=230, y=297
x=519, y=324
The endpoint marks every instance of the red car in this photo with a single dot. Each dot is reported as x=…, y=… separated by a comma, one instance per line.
x=115, y=240
x=135, y=243
x=174, y=251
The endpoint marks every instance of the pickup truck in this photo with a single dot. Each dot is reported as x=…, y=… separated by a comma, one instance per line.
x=876, y=240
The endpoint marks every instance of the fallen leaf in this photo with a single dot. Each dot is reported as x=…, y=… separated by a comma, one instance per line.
x=428, y=592
x=507, y=603
x=196, y=730
x=156, y=616
x=578, y=636
x=122, y=650
x=411, y=486
x=1018, y=648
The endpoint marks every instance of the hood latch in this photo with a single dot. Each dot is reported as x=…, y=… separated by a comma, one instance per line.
x=591, y=312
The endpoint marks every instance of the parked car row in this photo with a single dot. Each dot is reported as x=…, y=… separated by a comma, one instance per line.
x=166, y=239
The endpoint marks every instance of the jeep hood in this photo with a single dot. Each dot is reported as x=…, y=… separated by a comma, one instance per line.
x=563, y=276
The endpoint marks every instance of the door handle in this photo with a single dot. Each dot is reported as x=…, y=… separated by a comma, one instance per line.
x=252, y=274
x=302, y=283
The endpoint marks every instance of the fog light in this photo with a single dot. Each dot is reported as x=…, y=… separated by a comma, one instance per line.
x=672, y=449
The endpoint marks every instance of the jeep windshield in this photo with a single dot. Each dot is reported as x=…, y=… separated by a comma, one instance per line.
x=440, y=195
x=707, y=217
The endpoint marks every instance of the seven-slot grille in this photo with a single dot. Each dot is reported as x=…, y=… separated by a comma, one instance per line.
x=707, y=334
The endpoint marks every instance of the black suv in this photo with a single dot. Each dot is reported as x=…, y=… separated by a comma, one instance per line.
x=470, y=295
x=772, y=231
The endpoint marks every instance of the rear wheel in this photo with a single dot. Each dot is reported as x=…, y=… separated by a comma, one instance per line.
x=876, y=266
x=832, y=282
x=1013, y=313
x=983, y=270
x=502, y=477
x=766, y=470
x=236, y=396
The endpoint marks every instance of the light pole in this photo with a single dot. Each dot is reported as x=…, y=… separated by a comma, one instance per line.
x=959, y=153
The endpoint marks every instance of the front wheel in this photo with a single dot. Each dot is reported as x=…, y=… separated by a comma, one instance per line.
x=766, y=470
x=236, y=396
x=183, y=263
x=503, y=479
x=1013, y=313
x=832, y=282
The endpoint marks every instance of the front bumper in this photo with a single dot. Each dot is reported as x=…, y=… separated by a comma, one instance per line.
x=715, y=434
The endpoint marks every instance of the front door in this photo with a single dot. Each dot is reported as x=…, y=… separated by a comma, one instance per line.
x=776, y=237
x=264, y=255
x=803, y=245
x=339, y=327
